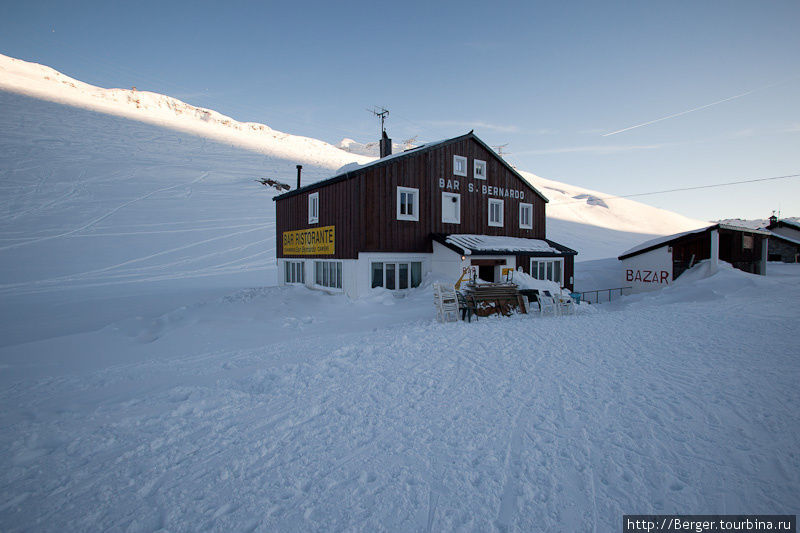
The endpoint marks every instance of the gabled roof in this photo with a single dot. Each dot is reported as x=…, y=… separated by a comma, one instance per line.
x=353, y=171
x=468, y=244
x=778, y=236
x=669, y=239
x=783, y=223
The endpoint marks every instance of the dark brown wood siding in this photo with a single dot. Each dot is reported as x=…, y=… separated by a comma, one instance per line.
x=363, y=208
x=384, y=233
x=338, y=206
x=694, y=248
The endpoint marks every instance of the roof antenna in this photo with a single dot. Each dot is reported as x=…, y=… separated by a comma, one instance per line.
x=386, y=142
x=499, y=150
x=382, y=113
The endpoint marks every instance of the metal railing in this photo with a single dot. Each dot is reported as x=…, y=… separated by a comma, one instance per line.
x=597, y=300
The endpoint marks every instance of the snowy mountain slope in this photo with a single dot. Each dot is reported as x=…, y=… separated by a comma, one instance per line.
x=96, y=209
x=46, y=83
x=577, y=217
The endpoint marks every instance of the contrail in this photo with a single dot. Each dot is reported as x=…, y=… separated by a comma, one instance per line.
x=695, y=109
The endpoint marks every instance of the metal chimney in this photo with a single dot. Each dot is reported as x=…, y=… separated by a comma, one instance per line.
x=386, y=145
x=299, y=168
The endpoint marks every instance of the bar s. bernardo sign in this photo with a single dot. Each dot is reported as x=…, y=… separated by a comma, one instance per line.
x=489, y=190
x=313, y=241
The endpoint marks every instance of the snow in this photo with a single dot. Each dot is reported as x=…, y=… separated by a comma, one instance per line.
x=526, y=281
x=152, y=377
x=43, y=82
x=582, y=219
x=286, y=409
x=598, y=225
x=488, y=243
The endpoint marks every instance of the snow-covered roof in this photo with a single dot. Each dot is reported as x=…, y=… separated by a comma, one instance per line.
x=658, y=241
x=772, y=234
x=792, y=223
x=351, y=169
x=471, y=244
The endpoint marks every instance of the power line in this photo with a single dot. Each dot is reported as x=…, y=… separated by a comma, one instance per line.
x=683, y=189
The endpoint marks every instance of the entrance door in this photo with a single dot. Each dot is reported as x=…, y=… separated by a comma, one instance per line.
x=486, y=272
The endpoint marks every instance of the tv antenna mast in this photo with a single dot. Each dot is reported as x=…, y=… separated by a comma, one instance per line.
x=380, y=112
x=500, y=151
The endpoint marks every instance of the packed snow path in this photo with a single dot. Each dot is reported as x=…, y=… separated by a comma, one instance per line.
x=682, y=402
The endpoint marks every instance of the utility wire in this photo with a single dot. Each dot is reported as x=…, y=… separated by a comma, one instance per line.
x=681, y=189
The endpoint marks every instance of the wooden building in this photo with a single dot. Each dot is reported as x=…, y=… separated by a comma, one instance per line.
x=784, y=240
x=656, y=263
x=435, y=208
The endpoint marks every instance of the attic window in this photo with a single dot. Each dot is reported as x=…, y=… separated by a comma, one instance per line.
x=479, y=169
x=313, y=208
x=459, y=165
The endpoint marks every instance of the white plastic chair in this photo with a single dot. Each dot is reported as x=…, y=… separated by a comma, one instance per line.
x=446, y=302
x=548, y=303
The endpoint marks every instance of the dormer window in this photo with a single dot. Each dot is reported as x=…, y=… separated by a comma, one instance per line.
x=479, y=169
x=459, y=165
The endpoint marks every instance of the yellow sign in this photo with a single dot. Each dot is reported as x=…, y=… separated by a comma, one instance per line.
x=313, y=241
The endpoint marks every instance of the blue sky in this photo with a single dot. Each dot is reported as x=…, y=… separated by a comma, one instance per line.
x=548, y=78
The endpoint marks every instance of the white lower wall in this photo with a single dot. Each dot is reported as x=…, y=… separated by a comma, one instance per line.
x=447, y=264
x=349, y=273
x=363, y=278
x=443, y=263
x=648, y=271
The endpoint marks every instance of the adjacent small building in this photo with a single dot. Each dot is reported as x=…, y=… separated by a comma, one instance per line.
x=435, y=208
x=784, y=240
x=657, y=263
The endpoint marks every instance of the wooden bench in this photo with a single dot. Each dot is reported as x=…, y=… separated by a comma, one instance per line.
x=494, y=298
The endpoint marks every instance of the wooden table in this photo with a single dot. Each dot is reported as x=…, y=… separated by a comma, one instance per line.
x=494, y=298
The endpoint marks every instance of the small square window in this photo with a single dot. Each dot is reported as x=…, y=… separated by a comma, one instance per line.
x=526, y=216
x=495, y=212
x=313, y=208
x=407, y=203
x=451, y=208
x=459, y=165
x=479, y=169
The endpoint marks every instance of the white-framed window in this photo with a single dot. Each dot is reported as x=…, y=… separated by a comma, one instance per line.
x=396, y=275
x=495, y=212
x=479, y=169
x=526, y=216
x=747, y=242
x=548, y=268
x=407, y=203
x=459, y=165
x=313, y=208
x=294, y=272
x=451, y=208
x=328, y=274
